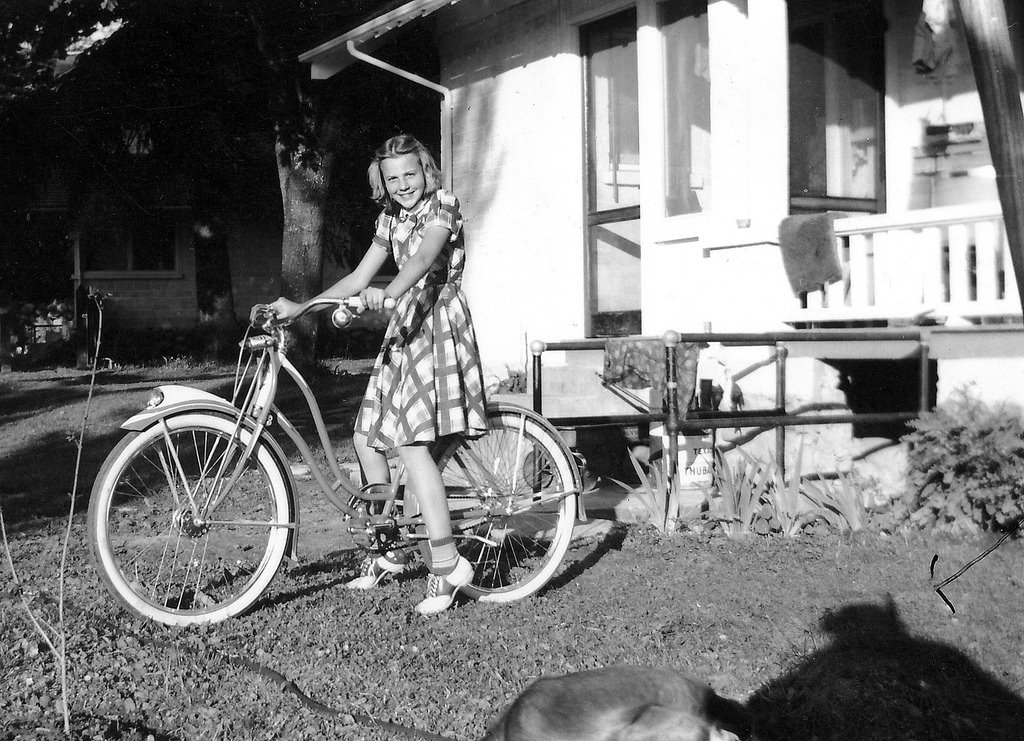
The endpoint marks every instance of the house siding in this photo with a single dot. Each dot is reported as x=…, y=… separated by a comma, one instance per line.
x=255, y=257
x=151, y=303
x=517, y=140
x=138, y=300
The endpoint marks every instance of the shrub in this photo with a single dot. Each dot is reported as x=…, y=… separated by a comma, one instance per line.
x=516, y=383
x=756, y=497
x=660, y=504
x=155, y=345
x=966, y=466
x=740, y=504
x=841, y=504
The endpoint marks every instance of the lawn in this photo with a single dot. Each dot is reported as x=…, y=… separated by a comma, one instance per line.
x=825, y=637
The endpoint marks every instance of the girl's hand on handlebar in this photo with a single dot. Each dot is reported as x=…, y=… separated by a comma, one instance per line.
x=284, y=309
x=374, y=299
x=281, y=311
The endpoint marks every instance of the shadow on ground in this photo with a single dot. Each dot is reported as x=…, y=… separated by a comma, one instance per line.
x=876, y=681
x=612, y=541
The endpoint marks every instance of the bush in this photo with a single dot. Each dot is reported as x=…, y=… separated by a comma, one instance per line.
x=40, y=334
x=966, y=466
x=203, y=342
x=756, y=497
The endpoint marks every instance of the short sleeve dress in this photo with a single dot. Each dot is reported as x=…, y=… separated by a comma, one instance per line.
x=427, y=381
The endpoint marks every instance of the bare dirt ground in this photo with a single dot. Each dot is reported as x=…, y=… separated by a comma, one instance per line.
x=824, y=637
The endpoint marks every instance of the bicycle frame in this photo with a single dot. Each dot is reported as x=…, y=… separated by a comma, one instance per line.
x=256, y=412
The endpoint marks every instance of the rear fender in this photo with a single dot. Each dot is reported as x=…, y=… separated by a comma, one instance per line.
x=184, y=400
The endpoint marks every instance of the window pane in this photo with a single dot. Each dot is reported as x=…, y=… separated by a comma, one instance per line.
x=103, y=247
x=153, y=244
x=836, y=74
x=684, y=27
x=613, y=129
x=615, y=278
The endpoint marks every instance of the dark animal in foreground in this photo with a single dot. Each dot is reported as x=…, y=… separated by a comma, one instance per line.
x=626, y=703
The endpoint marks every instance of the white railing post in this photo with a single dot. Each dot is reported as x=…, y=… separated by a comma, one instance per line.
x=934, y=293
x=986, y=250
x=959, y=267
x=861, y=278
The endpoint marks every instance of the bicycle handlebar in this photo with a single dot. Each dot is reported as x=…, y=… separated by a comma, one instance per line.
x=263, y=316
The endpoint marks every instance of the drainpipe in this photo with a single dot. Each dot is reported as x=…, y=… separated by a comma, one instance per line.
x=446, y=107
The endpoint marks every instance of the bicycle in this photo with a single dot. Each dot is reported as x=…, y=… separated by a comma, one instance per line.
x=194, y=510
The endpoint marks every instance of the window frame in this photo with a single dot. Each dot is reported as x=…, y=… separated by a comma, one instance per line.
x=176, y=272
x=827, y=12
x=595, y=217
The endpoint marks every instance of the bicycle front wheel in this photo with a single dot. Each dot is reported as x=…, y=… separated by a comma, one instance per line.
x=175, y=539
x=524, y=474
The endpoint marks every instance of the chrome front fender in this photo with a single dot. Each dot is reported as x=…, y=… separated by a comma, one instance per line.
x=175, y=400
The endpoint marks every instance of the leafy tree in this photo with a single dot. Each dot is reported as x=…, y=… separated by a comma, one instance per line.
x=206, y=98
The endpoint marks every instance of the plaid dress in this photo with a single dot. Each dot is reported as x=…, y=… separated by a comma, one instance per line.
x=427, y=381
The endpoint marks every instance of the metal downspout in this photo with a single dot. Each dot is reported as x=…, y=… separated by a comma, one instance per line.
x=446, y=108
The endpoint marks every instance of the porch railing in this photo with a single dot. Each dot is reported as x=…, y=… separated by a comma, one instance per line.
x=950, y=263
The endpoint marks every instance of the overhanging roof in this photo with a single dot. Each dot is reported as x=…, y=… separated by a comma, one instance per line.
x=332, y=56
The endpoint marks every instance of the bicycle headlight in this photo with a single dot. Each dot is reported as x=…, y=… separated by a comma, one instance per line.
x=156, y=398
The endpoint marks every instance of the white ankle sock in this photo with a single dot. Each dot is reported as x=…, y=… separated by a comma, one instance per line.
x=443, y=556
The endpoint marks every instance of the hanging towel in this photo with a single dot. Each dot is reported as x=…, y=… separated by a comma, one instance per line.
x=934, y=37
x=638, y=363
x=808, y=245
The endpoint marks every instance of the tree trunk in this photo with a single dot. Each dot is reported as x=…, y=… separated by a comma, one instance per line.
x=303, y=193
x=988, y=41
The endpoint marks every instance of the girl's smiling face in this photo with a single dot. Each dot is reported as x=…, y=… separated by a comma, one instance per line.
x=404, y=179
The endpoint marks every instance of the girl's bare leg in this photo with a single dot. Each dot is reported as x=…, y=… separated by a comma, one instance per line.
x=375, y=471
x=372, y=461
x=449, y=572
x=425, y=481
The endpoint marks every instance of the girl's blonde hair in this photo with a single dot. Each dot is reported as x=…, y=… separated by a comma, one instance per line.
x=397, y=146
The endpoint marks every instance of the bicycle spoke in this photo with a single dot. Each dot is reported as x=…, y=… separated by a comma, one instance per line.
x=165, y=555
x=519, y=475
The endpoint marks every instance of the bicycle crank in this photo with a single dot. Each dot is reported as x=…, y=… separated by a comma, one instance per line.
x=378, y=536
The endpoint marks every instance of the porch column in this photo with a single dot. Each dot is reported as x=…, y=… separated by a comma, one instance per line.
x=768, y=116
x=988, y=41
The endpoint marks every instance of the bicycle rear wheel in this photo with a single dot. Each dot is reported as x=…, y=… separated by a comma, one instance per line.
x=520, y=466
x=172, y=542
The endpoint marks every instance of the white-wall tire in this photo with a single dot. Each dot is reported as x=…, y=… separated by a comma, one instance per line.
x=154, y=555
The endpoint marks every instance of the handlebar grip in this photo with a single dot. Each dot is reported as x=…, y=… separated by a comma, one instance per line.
x=355, y=302
x=343, y=316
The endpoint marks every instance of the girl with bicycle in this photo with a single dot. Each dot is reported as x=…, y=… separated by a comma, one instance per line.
x=427, y=381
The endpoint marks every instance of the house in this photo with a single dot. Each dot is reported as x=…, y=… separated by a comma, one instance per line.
x=624, y=167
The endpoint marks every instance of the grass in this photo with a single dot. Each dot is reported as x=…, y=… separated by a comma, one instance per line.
x=824, y=637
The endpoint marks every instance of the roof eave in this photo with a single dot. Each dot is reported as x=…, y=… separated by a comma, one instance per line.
x=332, y=56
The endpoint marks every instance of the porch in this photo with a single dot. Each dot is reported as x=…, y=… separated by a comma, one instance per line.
x=945, y=266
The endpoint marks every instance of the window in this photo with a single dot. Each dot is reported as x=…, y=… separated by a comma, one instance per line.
x=145, y=245
x=836, y=75
x=613, y=175
x=687, y=105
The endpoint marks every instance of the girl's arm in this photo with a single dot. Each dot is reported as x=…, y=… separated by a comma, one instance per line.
x=350, y=285
x=359, y=278
x=434, y=240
